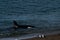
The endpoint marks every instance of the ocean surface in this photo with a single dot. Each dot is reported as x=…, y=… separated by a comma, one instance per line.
x=43, y=14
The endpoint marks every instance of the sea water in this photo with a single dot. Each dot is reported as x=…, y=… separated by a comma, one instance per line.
x=43, y=14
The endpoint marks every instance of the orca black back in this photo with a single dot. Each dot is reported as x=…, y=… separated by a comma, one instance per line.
x=16, y=26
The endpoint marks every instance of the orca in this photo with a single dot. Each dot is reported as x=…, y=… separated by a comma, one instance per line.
x=17, y=26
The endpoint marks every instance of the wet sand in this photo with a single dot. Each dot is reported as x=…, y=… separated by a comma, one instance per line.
x=47, y=37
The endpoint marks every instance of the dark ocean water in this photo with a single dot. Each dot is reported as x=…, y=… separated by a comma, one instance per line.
x=43, y=14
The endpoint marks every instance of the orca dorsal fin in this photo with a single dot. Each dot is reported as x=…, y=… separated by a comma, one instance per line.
x=14, y=22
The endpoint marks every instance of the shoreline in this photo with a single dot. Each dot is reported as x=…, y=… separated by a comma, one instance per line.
x=33, y=36
x=47, y=37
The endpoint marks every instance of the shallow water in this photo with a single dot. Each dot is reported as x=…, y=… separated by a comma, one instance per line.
x=43, y=14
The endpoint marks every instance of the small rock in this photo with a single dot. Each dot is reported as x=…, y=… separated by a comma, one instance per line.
x=42, y=36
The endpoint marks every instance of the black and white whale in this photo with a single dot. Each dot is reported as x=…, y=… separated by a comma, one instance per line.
x=17, y=26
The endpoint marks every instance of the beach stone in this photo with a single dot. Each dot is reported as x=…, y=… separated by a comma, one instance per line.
x=42, y=36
